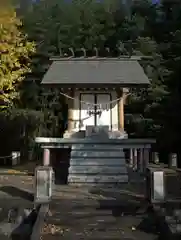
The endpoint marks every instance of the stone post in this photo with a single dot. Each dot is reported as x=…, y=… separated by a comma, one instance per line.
x=46, y=157
x=155, y=157
x=172, y=160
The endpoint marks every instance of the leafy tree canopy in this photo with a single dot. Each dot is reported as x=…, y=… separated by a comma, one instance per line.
x=15, y=54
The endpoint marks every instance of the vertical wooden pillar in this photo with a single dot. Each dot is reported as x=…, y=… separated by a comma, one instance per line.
x=121, y=113
x=135, y=159
x=146, y=158
x=120, y=104
x=70, y=103
x=141, y=160
x=121, y=94
x=130, y=157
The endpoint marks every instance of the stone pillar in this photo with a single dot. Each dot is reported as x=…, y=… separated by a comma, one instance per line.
x=70, y=103
x=46, y=157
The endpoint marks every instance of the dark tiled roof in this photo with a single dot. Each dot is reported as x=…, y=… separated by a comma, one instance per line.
x=95, y=71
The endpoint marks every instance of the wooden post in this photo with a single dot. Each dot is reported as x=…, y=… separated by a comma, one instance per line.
x=135, y=159
x=120, y=110
x=46, y=157
x=70, y=111
x=121, y=113
x=121, y=94
x=146, y=158
x=141, y=160
x=138, y=159
x=130, y=157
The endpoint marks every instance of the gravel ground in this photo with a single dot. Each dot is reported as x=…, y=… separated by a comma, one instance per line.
x=77, y=214
x=80, y=213
x=16, y=188
x=15, y=180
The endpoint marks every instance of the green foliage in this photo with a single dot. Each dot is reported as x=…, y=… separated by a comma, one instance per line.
x=22, y=125
x=160, y=102
x=60, y=25
x=56, y=26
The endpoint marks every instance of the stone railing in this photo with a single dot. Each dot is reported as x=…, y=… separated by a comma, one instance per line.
x=138, y=159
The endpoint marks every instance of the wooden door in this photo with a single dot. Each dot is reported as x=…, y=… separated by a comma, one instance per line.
x=104, y=118
x=86, y=119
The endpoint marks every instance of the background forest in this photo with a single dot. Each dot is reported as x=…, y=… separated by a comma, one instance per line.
x=30, y=33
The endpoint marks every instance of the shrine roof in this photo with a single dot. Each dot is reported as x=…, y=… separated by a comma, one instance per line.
x=95, y=71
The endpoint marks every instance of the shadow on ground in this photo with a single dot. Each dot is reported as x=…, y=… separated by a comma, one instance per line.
x=110, y=217
x=17, y=192
x=119, y=208
x=24, y=230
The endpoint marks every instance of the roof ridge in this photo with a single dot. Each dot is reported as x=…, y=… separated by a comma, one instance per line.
x=121, y=58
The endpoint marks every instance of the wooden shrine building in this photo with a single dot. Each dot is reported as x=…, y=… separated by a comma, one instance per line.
x=95, y=89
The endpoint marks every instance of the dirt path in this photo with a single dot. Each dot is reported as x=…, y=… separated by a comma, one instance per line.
x=77, y=214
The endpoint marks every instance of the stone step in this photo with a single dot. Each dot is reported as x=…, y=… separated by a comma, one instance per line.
x=115, y=134
x=80, y=134
x=98, y=170
x=97, y=163
x=87, y=161
x=75, y=212
x=98, y=154
x=88, y=234
x=97, y=178
x=97, y=146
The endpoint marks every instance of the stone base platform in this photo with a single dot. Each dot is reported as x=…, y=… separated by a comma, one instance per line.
x=97, y=163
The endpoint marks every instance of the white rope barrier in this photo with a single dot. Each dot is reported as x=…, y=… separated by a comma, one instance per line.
x=93, y=104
